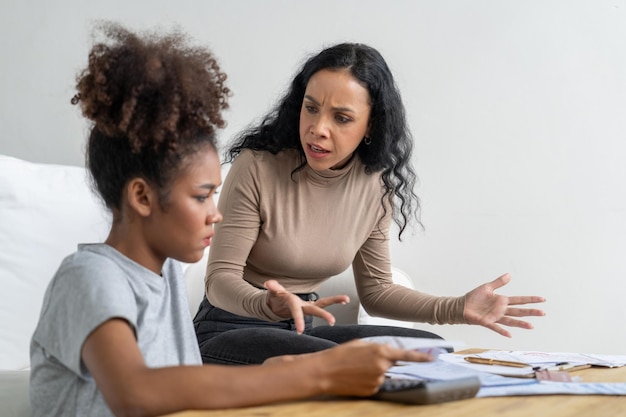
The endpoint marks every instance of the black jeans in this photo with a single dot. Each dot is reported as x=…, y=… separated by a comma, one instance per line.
x=226, y=338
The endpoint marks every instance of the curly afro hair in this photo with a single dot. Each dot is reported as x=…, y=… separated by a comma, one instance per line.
x=153, y=100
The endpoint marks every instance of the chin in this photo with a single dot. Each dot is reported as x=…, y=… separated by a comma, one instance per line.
x=191, y=257
x=318, y=166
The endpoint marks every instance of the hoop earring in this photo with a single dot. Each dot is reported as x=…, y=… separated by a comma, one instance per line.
x=367, y=140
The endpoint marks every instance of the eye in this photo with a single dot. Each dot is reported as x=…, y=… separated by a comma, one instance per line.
x=342, y=119
x=310, y=108
x=203, y=197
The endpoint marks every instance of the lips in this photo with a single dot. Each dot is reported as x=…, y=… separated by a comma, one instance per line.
x=317, y=149
x=316, y=152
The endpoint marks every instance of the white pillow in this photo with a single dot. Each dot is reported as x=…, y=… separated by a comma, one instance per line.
x=45, y=212
x=401, y=278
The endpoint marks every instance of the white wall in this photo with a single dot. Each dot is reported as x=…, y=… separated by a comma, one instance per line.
x=518, y=110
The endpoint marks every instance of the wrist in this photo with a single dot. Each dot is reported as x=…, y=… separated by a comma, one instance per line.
x=316, y=366
x=266, y=310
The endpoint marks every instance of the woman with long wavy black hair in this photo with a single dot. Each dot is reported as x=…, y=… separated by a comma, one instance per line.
x=312, y=190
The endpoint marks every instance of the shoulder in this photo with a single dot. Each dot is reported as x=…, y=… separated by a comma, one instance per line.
x=93, y=285
x=266, y=158
x=373, y=181
x=96, y=258
x=264, y=164
x=88, y=289
x=87, y=263
x=92, y=273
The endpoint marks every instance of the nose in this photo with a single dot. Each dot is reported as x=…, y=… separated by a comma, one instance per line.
x=214, y=216
x=320, y=126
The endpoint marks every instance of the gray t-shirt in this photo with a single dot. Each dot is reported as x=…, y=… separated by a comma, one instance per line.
x=92, y=286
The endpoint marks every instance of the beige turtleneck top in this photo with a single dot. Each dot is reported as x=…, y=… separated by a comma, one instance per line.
x=302, y=228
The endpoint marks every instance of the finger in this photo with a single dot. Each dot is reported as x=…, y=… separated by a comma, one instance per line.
x=524, y=312
x=528, y=299
x=335, y=299
x=293, y=302
x=507, y=321
x=501, y=281
x=313, y=310
x=274, y=287
x=498, y=329
x=295, y=307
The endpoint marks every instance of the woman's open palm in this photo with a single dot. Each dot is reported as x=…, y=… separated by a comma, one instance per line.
x=486, y=308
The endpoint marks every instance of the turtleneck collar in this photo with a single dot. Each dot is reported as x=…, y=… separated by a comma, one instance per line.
x=328, y=176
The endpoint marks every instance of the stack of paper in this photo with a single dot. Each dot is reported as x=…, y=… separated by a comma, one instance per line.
x=449, y=366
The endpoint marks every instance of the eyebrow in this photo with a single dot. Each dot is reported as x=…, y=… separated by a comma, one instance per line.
x=344, y=109
x=208, y=186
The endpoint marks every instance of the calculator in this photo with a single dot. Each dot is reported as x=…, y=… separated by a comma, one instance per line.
x=414, y=391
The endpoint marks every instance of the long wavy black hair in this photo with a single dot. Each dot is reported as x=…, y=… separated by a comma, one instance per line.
x=391, y=146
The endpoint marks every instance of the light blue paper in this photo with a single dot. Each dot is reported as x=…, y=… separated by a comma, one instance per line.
x=440, y=370
x=551, y=388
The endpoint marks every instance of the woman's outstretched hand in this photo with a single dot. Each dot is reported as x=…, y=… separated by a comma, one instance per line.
x=485, y=308
x=285, y=304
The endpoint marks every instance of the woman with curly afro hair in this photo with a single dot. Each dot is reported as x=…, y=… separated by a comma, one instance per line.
x=114, y=336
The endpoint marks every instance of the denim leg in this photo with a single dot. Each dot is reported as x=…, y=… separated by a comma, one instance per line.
x=345, y=333
x=255, y=345
x=227, y=338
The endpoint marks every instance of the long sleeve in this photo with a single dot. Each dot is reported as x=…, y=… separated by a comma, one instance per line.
x=301, y=227
x=234, y=238
x=381, y=297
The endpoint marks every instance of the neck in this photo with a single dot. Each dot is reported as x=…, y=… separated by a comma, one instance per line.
x=129, y=243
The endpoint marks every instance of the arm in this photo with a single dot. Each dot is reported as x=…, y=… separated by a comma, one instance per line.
x=381, y=297
x=235, y=237
x=480, y=306
x=129, y=387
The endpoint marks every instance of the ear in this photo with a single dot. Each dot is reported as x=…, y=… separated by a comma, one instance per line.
x=369, y=127
x=141, y=196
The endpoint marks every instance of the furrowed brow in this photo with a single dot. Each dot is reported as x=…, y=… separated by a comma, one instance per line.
x=339, y=109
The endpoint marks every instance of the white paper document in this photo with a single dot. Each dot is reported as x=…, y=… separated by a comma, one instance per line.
x=492, y=369
x=535, y=358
